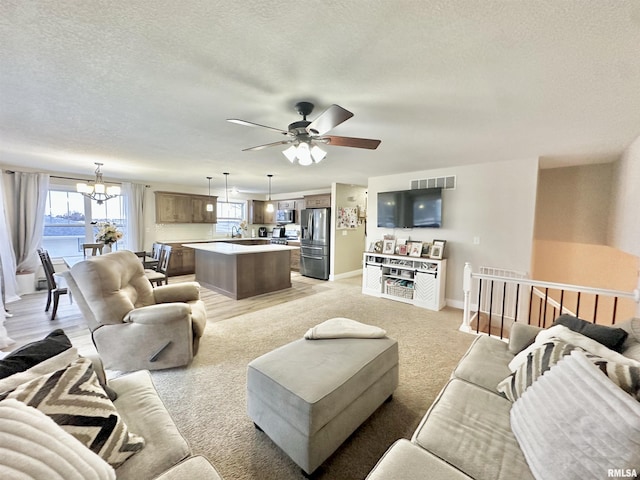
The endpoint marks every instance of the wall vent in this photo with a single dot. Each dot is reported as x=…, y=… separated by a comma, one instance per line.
x=446, y=183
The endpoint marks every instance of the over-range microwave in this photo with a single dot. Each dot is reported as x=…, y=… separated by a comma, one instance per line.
x=286, y=216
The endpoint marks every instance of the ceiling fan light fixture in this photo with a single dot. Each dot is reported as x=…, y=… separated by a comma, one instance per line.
x=304, y=154
x=318, y=154
x=291, y=153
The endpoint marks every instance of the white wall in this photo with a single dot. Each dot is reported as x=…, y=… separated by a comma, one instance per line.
x=494, y=202
x=624, y=226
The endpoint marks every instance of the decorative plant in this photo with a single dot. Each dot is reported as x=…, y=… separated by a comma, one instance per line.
x=108, y=233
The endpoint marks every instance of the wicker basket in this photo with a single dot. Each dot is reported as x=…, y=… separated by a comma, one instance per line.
x=399, y=291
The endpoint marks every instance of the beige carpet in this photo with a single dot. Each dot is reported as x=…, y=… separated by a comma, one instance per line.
x=207, y=399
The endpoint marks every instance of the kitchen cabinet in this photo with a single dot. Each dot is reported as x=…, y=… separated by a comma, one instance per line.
x=199, y=210
x=184, y=208
x=256, y=212
x=286, y=205
x=295, y=256
x=182, y=260
x=269, y=217
x=317, y=201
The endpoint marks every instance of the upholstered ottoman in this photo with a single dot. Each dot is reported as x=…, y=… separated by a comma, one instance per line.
x=308, y=396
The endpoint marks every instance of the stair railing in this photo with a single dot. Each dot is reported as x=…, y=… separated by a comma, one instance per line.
x=534, y=302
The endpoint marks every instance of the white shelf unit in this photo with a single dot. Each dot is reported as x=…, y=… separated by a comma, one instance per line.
x=416, y=280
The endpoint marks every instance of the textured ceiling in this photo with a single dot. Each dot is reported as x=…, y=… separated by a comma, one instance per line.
x=145, y=86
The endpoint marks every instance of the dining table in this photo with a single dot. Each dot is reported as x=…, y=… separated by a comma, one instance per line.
x=147, y=260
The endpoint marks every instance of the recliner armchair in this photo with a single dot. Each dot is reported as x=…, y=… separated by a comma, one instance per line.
x=133, y=325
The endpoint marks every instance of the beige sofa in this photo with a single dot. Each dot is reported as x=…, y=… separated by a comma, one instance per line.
x=135, y=326
x=467, y=432
x=166, y=454
x=61, y=418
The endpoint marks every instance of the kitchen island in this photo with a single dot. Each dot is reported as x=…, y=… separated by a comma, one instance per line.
x=238, y=270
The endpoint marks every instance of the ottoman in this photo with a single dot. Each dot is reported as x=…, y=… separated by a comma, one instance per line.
x=308, y=396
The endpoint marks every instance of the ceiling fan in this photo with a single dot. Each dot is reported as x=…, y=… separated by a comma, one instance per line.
x=304, y=136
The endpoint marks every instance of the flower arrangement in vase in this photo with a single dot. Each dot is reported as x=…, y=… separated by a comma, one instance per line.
x=108, y=234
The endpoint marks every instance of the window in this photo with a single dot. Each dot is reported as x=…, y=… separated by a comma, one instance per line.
x=69, y=221
x=230, y=214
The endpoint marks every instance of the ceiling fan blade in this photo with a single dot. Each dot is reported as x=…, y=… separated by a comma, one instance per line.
x=266, y=145
x=330, y=118
x=251, y=124
x=351, y=142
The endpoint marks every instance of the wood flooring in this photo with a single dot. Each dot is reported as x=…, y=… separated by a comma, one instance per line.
x=30, y=322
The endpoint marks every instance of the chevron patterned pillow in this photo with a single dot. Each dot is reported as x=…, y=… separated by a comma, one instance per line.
x=537, y=362
x=74, y=399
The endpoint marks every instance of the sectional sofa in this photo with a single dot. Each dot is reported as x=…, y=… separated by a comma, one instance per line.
x=492, y=419
x=61, y=418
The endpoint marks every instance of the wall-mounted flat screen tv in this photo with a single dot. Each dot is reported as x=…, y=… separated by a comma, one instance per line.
x=417, y=208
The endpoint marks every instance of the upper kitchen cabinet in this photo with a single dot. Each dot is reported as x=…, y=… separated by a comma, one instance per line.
x=256, y=212
x=200, y=212
x=317, y=201
x=184, y=208
x=269, y=217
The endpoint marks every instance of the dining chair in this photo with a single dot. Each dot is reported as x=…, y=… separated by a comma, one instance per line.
x=159, y=275
x=95, y=248
x=54, y=291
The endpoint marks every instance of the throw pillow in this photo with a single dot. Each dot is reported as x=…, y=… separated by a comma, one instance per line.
x=33, y=353
x=625, y=376
x=560, y=332
x=574, y=423
x=538, y=361
x=34, y=446
x=610, y=337
x=58, y=362
x=74, y=399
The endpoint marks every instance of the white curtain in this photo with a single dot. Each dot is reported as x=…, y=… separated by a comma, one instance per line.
x=26, y=204
x=134, y=213
x=8, y=283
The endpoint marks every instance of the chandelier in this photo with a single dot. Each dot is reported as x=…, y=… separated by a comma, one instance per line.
x=304, y=153
x=97, y=190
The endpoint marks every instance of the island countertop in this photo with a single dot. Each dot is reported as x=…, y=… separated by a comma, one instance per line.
x=237, y=248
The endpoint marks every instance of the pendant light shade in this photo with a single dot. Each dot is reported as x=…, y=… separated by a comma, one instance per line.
x=209, y=203
x=97, y=190
x=269, y=203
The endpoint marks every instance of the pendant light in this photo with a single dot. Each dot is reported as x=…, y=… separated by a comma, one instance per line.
x=269, y=203
x=209, y=203
x=226, y=186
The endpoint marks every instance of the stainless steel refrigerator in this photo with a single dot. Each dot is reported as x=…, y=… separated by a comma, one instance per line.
x=314, y=243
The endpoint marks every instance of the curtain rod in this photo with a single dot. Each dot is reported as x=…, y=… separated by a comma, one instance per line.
x=75, y=179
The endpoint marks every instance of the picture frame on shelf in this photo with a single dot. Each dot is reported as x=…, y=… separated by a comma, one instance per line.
x=436, y=252
x=415, y=249
x=426, y=249
x=440, y=243
x=389, y=246
x=402, y=249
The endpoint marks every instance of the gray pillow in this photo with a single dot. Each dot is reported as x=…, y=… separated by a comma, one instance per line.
x=610, y=337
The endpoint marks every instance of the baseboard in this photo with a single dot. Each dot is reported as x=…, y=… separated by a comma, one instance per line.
x=353, y=273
